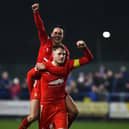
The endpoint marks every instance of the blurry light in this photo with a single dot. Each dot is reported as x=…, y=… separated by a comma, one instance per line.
x=106, y=34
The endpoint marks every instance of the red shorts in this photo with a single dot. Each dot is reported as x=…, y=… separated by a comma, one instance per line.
x=35, y=93
x=53, y=115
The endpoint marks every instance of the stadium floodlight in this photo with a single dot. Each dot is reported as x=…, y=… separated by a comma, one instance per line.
x=106, y=34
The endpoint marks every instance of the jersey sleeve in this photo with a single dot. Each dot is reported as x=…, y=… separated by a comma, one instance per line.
x=40, y=27
x=40, y=55
x=75, y=63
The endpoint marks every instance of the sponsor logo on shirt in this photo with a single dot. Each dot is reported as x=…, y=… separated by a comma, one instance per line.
x=56, y=82
x=47, y=49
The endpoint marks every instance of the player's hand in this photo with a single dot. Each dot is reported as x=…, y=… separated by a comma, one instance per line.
x=35, y=7
x=81, y=44
x=40, y=66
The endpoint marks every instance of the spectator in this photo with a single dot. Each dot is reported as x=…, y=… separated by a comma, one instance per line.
x=15, y=88
x=89, y=82
x=24, y=93
x=80, y=82
x=5, y=81
x=125, y=74
x=109, y=80
x=118, y=83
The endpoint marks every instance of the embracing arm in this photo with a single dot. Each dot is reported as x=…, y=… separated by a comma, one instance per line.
x=57, y=70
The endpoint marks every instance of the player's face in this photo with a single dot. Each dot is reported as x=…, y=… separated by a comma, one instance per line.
x=59, y=56
x=57, y=35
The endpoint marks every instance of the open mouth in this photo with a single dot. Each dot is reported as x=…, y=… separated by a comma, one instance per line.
x=57, y=38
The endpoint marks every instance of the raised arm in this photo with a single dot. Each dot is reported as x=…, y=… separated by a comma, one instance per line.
x=88, y=57
x=39, y=24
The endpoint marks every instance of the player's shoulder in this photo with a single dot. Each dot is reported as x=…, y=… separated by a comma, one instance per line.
x=64, y=45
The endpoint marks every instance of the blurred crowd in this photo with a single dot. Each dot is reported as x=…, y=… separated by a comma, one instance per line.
x=12, y=88
x=102, y=85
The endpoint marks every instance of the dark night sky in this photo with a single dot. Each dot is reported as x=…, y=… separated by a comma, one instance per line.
x=83, y=19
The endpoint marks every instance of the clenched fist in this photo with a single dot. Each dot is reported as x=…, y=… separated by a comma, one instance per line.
x=81, y=44
x=35, y=7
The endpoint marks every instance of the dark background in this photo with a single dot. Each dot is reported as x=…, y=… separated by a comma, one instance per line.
x=82, y=19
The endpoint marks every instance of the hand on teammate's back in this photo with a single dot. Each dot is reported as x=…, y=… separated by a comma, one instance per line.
x=40, y=66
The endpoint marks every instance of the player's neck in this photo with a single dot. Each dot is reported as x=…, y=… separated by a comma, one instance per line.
x=54, y=63
x=60, y=43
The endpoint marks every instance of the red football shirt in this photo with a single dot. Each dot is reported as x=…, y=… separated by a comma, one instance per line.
x=53, y=86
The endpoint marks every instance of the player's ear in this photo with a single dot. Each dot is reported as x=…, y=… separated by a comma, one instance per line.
x=53, y=53
x=51, y=34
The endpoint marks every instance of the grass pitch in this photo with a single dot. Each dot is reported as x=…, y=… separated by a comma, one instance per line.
x=14, y=124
